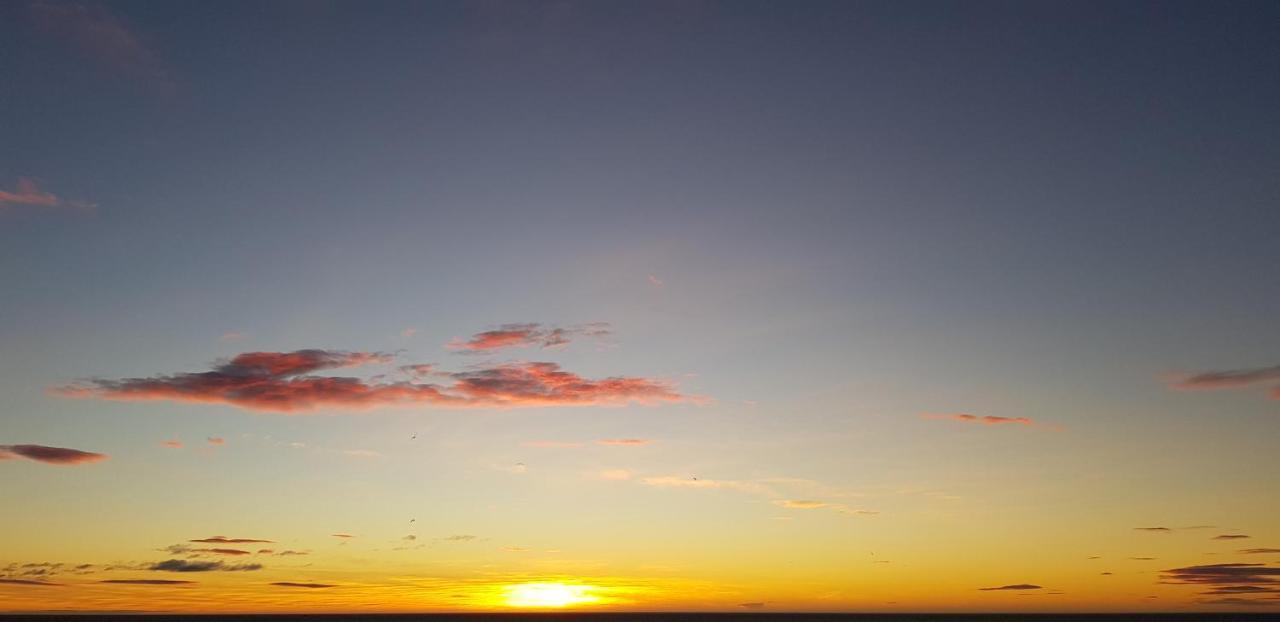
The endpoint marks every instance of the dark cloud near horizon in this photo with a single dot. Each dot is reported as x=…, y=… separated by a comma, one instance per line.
x=1015, y=586
x=1223, y=574
x=1259, y=551
x=26, y=582
x=226, y=540
x=305, y=585
x=50, y=455
x=179, y=565
x=1231, y=536
x=1160, y=529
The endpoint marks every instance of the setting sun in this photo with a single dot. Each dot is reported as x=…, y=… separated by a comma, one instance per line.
x=548, y=595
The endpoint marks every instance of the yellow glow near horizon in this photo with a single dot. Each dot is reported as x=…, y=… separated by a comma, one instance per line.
x=548, y=595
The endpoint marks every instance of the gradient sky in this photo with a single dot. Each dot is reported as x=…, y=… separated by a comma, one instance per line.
x=850, y=306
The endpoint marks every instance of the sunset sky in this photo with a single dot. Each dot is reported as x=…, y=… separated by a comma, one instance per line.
x=636, y=306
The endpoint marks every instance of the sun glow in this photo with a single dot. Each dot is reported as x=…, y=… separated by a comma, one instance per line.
x=548, y=595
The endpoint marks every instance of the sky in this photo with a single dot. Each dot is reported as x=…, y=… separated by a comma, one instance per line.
x=639, y=306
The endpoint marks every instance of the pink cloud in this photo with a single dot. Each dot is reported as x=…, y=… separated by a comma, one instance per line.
x=280, y=382
x=172, y=444
x=526, y=336
x=216, y=440
x=50, y=455
x=984, y=420
x=624, y=442
x=28, y=193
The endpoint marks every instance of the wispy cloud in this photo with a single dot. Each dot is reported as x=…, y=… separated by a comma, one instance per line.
x=344, y=536
x=624, y=442
x=50, y=455
x=1228, y=379
x=280, y=382
x=459, y=538
x=216, y=440
x=768, y=488
x=147, y=582
x=1262, y=551
x=106, y=38
x=526, y=336
x=1231, y=536
x=1154, y=529
x=1013, y=587
x=26, y=582
x=172, y=444
x=303, y=585
x=984, y=420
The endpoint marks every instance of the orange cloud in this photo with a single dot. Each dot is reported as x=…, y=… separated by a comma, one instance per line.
x=216, y=440
x=172, y=444
x=50, y=455
x=626, y=442
x=984, y=420
x=800, y=504
x=278, y=382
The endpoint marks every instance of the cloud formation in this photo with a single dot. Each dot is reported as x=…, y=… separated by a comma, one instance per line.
x=1259, y=551
x=1224, y=574
x=1231, y=536
x=281, y=382
x=28, y=192
x=624, y=442
x=984, y=420
x=800, y=504
x=1157, y=529
x=226, y=540
x=25, y=582
x=106, y=38
x=179, y=565
x=148, y=581
x=306, y=585
x=526, y=336
x=1228, y=379
x=1014, y=587
x=50, y=455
